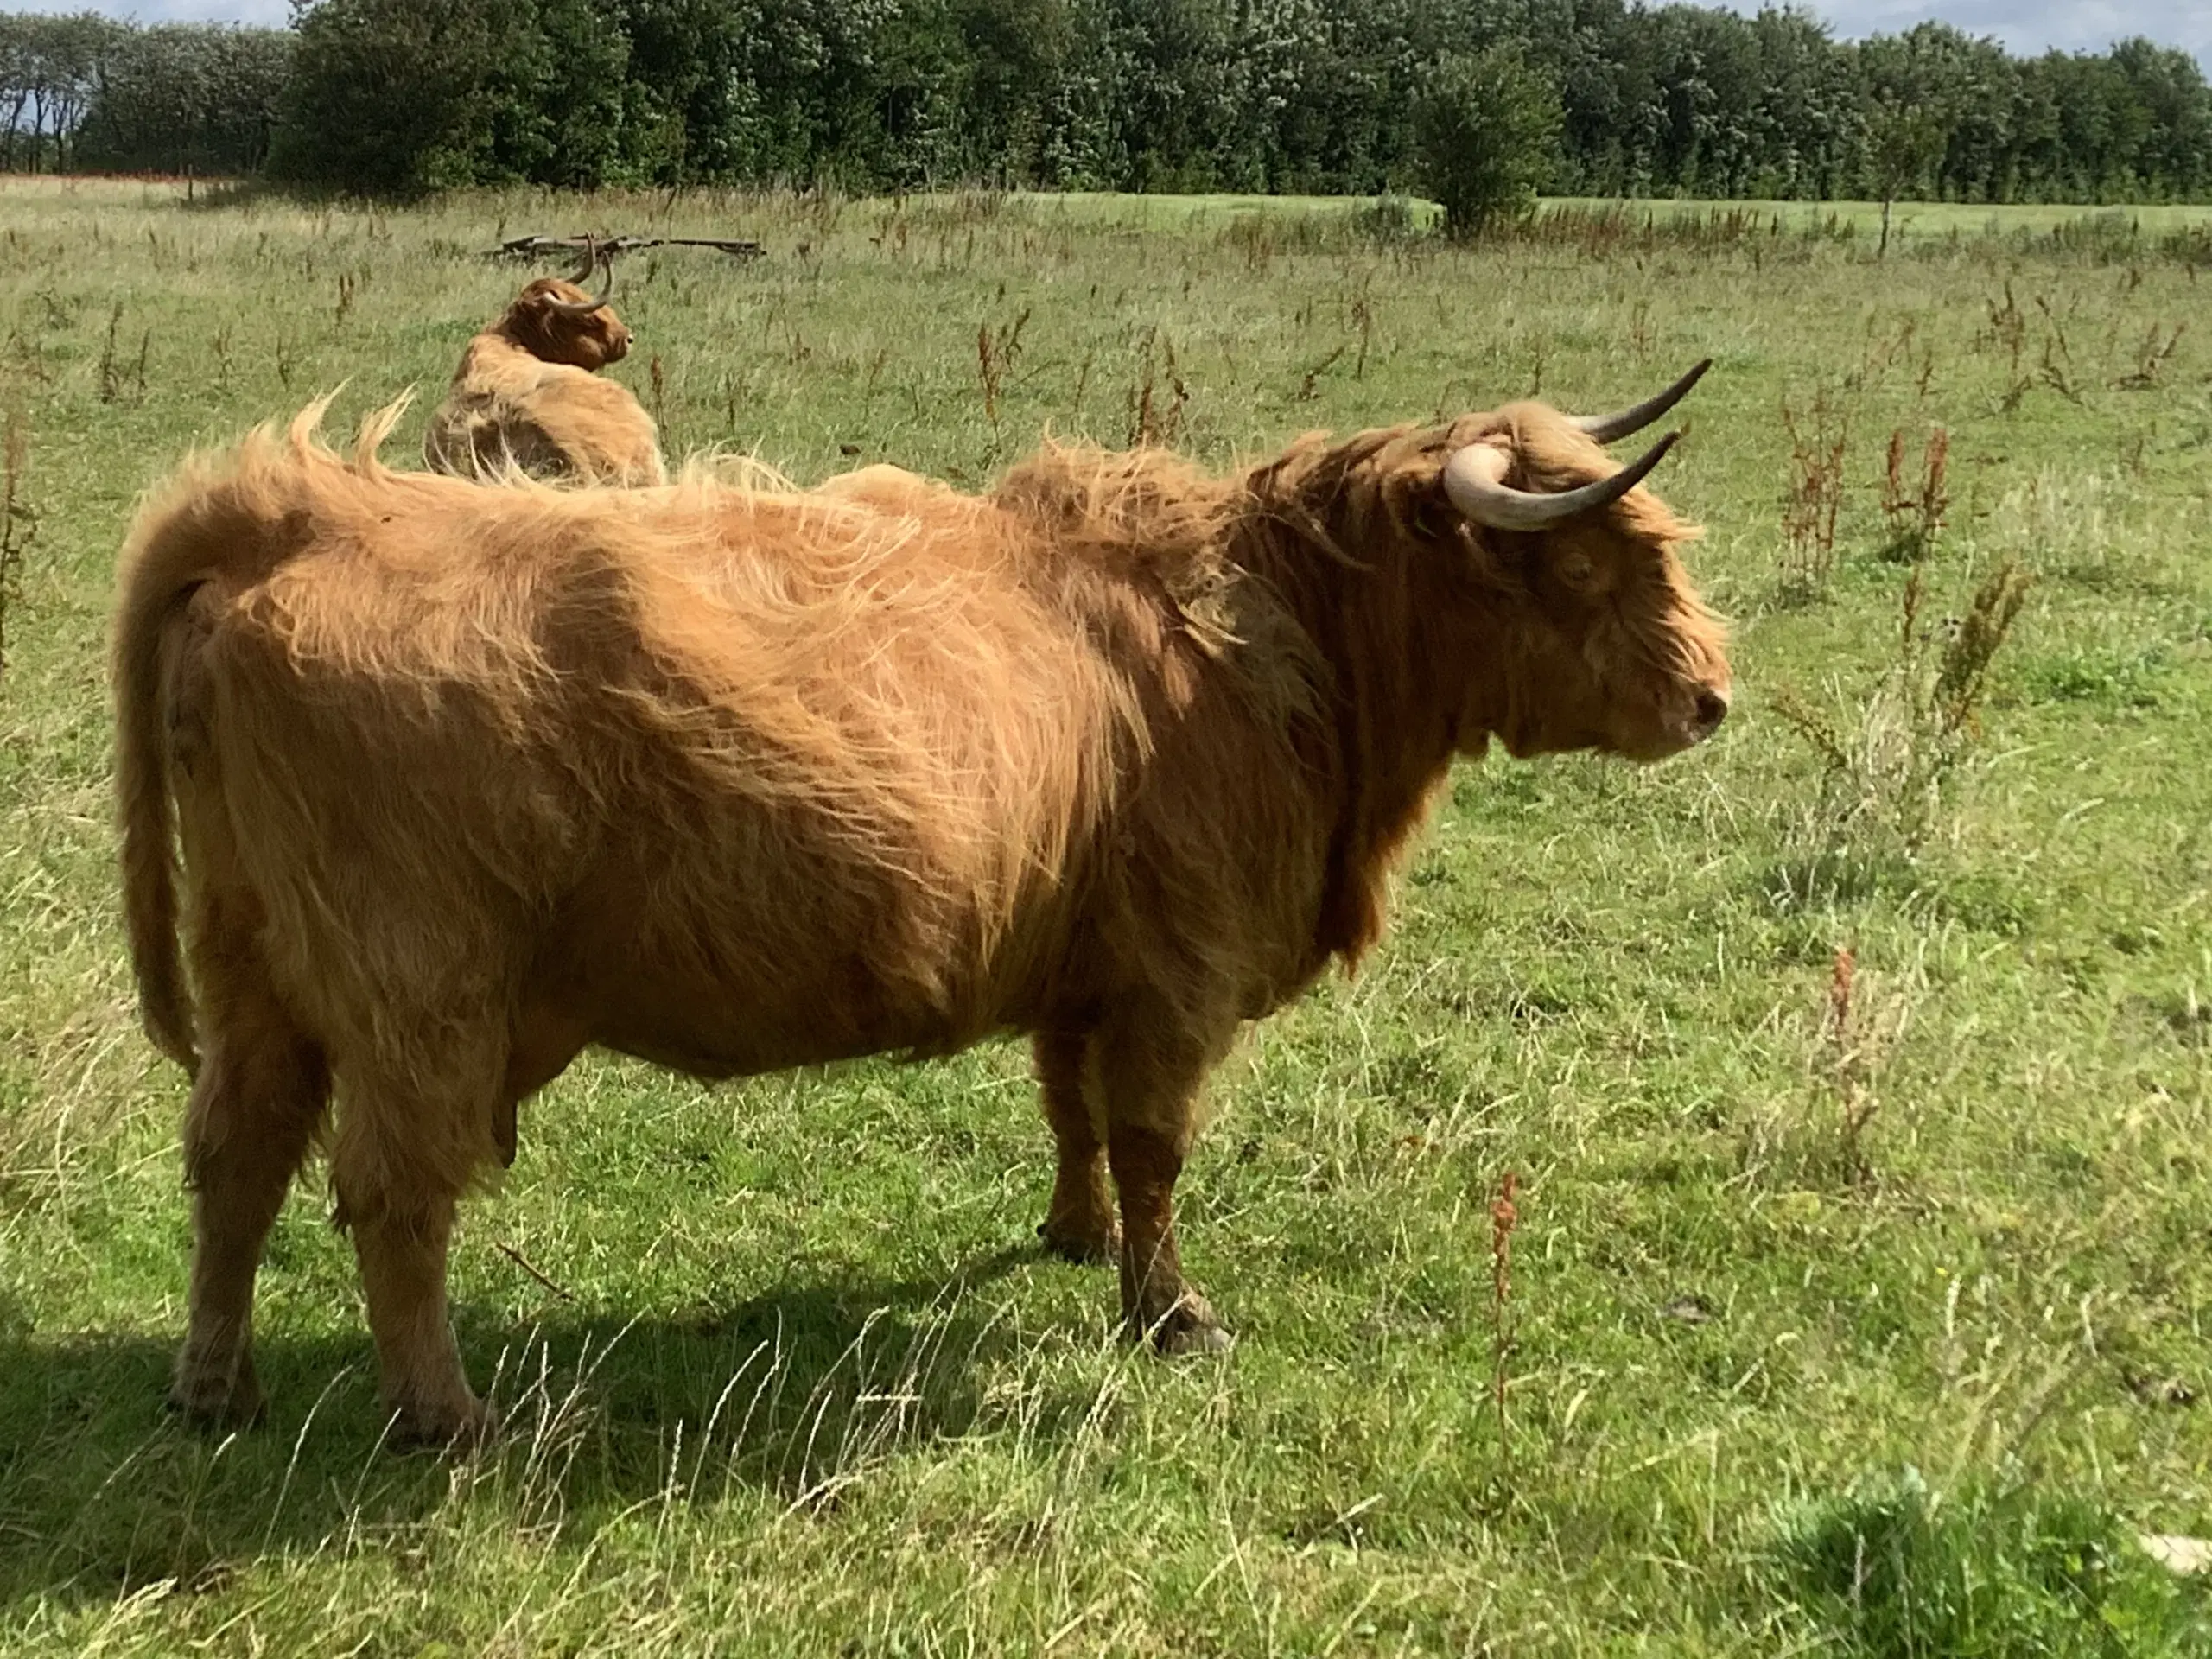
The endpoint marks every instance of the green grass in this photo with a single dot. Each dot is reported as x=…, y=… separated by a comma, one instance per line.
x=806, y=1388
x=1931, y=218
x=1977, y=1575
x=1911, y=220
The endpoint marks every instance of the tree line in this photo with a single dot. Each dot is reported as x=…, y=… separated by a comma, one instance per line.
x=86, y=92
x=1323, y=95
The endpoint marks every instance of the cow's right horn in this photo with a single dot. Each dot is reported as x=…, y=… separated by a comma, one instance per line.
x=585, y=308
x=1637, y=416
x=1474, y=479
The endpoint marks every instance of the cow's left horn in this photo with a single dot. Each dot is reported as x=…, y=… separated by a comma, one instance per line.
x=585, y=308
x=1473, y=478
x=1606, y=428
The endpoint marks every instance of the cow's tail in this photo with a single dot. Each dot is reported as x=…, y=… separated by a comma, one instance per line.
x=220, y=519
x=159, y=577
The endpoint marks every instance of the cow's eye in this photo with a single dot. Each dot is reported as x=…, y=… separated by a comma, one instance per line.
x=1575, y=570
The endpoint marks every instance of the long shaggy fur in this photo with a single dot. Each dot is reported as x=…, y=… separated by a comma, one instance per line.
x=737, y=779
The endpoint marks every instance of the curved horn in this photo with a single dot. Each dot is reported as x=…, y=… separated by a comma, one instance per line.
x=1606, y=428
x=1473, y=479
x=585, y=308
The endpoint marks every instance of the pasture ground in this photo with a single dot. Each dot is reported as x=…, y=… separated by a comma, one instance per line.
x=1883, y=1350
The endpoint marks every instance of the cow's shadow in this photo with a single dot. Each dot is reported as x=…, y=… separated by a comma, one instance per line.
x=788, y=1395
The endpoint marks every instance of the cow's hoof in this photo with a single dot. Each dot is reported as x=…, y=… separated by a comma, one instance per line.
x=459, y=1428
x=212, y=1397
x=1088, y=1246
x=1189, y=1329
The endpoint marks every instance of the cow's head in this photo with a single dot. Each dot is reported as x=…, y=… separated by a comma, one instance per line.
x=558, y=321
x=1597, y=639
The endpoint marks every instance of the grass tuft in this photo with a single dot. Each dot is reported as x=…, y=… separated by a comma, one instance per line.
x=1897, y=1571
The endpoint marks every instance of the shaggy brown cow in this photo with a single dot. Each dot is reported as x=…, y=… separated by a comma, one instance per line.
x=526, y=396
x=1117, y=757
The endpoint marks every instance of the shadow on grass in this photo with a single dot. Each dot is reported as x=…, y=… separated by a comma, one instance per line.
x=789, y=1395
x=1843, y=878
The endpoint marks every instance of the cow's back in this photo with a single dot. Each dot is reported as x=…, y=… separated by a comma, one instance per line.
x=736, y=780
x=508, y=411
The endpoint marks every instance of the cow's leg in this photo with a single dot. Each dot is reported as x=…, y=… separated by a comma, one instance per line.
x=252, y=1116
x=402, y=1251
x=260, y=1092
x=1151, y=1091
x=406, y=1149
x=1079, y=1224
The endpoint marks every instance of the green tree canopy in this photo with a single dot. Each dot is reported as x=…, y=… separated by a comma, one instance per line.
x=1321, y=96
x=1486, y=131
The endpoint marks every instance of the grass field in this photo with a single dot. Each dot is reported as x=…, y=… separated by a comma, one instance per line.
x=1886, y=1347
x=1913, y=221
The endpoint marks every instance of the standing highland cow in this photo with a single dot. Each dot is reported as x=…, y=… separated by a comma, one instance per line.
x=1118, y=756
x=527, y=396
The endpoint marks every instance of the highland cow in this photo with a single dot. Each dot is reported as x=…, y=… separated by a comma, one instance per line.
x=1117, y=757
x=527, y=396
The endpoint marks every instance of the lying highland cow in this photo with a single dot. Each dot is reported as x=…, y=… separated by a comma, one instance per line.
x=1117, y=757
x=526, y=396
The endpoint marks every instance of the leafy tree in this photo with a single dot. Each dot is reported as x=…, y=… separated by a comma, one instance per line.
x=1903, y=141
x=15, y=56
x=1010, y=48
x=675, y=102
x=579, y=92
x=1485, y=100
x=402, y=96
x=2173, y=150
x=186, y=95
x=48, y=70
x=1808, y=118
x=1485, y=134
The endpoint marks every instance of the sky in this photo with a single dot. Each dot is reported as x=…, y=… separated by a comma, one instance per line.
x=2024, y=25
x=2029, y=27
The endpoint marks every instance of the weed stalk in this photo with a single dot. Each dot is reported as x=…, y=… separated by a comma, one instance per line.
x=1819, y=436
x=18, y=525
x=1504, y=1217
x=1915, y=512
x=1154, y=419
x=1890, y=760
x=110, y=371
x=1857, y=1100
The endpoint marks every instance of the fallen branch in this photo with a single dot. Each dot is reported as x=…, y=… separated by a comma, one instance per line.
x=537, y=247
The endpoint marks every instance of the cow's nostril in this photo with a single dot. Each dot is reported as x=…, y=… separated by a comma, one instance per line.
x=1712, y=709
